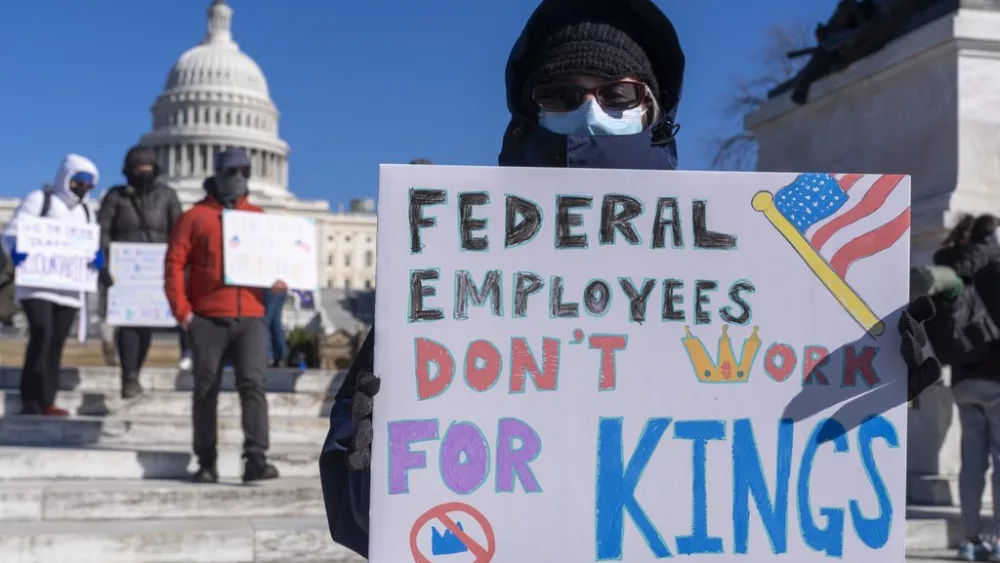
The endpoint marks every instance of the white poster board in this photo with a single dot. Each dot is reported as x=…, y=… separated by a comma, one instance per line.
x=137, y=297
x=261, y=249
x=599, y=365
x=59, y=254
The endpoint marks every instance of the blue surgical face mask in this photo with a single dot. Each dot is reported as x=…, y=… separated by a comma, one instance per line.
x=591, y=120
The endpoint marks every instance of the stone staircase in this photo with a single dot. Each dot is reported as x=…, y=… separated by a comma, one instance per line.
x=109, y=484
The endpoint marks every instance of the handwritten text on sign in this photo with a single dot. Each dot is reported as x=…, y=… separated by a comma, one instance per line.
x=260, y=249
x=59, y=254
x=681, y=367
x=137, y=298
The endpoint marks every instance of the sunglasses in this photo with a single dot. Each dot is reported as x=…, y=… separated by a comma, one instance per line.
x=619, y=96
x=78, y=185
x=243, y=170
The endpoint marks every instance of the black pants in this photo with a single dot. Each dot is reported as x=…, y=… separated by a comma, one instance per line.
x=184, y=342
x=48, y=326
x=133, y=346
x=244, y=341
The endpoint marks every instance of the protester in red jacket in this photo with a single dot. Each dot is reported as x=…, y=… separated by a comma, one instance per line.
x=220, y=317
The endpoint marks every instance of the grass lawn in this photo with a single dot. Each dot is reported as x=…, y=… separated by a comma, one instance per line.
x=161, y=354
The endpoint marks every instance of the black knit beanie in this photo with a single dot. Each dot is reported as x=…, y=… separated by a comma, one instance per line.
x=139, y=155
x=585, y=47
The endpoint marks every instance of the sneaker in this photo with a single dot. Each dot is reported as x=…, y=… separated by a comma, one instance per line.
x=53, y=410
x=131, y=389
x=256, y=468
x=31, y=407
x=973, y=549
x=185, y=364
x=205, y=474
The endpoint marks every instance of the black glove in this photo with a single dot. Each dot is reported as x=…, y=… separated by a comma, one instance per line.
x=359, y=453
x=922, y=370
x=105, y=279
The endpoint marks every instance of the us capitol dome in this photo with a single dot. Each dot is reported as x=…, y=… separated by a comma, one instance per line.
x=216, y=97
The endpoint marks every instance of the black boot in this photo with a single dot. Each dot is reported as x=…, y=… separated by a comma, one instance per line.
x=206, y=474
x=130, y=386
x=256, y=468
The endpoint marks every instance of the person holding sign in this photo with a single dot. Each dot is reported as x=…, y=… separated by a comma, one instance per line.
x=51, y=312
x=144, y=210
x=590, y=84
x=223, y=321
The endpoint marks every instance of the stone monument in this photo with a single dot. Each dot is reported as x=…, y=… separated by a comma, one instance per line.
x=910, y=87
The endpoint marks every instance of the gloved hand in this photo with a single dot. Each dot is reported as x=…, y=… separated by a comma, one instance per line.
x=105, y=279
x=98, y=261
x=359, y=452
x=922, y=370
x=17, y=258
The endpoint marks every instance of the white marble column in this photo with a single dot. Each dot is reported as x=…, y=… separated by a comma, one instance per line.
x=284, y=173
x=171, y=168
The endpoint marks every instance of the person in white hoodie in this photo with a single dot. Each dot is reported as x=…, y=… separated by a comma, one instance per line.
x=51, y=313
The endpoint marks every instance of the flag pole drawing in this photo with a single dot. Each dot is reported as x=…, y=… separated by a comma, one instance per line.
x=813, y=210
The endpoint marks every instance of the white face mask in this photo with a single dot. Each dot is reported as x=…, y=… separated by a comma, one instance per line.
x=591, y=120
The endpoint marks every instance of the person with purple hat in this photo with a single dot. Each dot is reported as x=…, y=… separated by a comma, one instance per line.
x=224, y=322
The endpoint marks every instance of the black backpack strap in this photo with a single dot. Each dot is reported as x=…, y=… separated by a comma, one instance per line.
x=47, y=202
x=86, y=211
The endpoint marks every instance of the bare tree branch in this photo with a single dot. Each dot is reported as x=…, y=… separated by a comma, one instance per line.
x=738, y=150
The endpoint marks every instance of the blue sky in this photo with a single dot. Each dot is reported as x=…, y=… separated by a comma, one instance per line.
x=358, y=83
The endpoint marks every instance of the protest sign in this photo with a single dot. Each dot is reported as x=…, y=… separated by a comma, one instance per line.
x=59, y=254
x=261, y=249
x=137, y=297
x=599, y=365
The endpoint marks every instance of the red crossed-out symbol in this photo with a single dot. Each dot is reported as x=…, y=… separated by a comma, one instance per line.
x=484, y=554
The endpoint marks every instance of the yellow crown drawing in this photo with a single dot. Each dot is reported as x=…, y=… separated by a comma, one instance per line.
x=727, y=369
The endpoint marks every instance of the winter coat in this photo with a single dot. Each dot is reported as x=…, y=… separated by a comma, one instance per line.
x=345, y=492
x=128, y=215
x=964, y=332
x=196, y=246
x=64, y=205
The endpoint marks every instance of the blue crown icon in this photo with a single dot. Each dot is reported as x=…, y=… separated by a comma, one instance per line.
x=447, y=543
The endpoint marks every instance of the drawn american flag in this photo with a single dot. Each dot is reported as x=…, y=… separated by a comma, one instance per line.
x=846, y=218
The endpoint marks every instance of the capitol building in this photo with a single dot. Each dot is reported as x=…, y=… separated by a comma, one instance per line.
x=216, y=97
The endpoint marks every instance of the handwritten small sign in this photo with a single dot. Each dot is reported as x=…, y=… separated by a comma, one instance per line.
x=259, y=249
x=601, y=365
x=137, y=297
x=59, y=254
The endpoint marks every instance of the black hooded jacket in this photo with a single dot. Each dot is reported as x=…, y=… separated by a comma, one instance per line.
x=964, y=332
x=345, y=492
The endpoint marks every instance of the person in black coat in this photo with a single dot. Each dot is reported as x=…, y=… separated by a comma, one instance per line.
x=965, y=335
x=144, y=210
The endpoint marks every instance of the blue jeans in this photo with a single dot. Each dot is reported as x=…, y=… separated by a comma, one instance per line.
x=276, y=334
